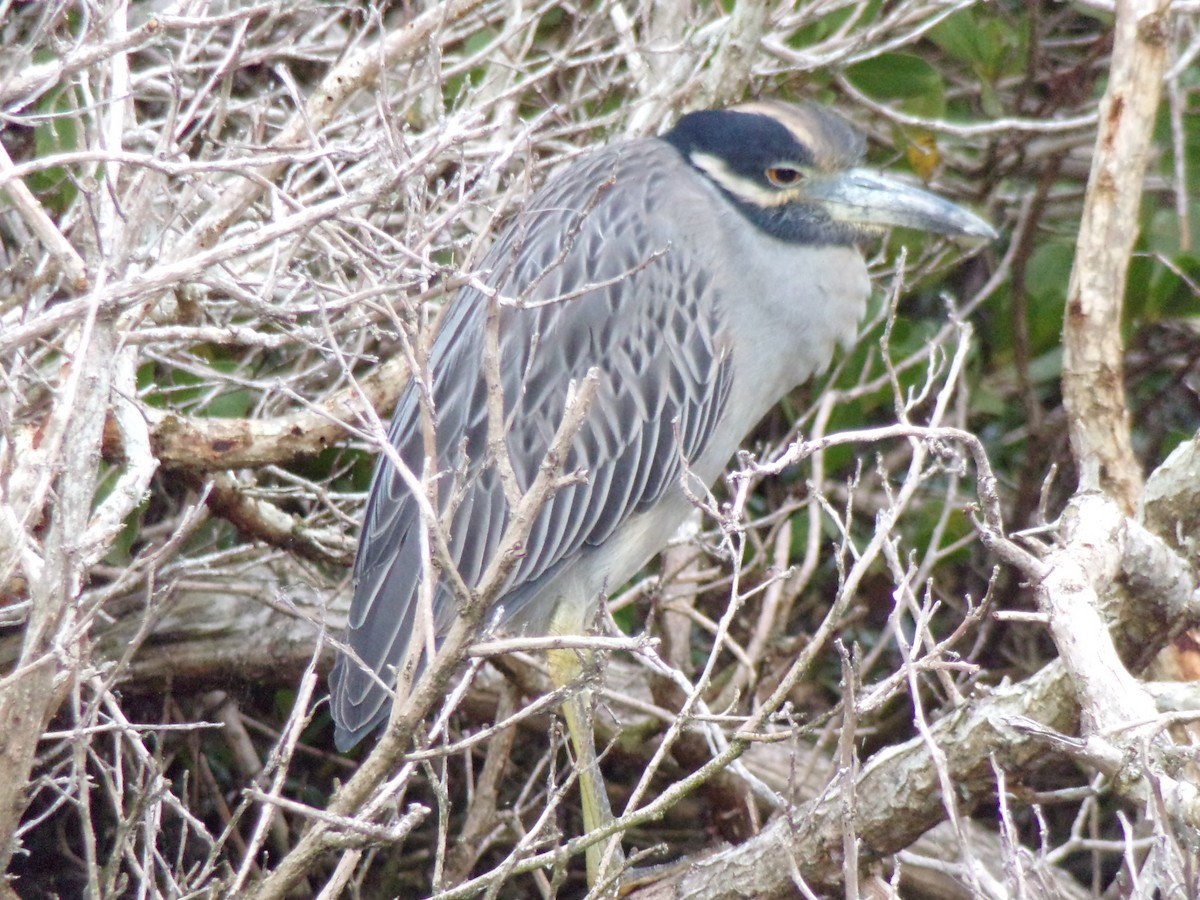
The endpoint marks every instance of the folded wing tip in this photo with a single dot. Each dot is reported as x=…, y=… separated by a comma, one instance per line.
x=356, y=713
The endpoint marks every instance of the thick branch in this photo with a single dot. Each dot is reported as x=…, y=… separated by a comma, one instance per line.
x=1093, y=372
x=200, y=444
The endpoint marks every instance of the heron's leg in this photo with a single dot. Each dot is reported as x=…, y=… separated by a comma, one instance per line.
x=565, y=666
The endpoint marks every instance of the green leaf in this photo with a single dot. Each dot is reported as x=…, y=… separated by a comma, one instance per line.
x=895, y=76
x=955, y=35
x=57, y=132
x=989, y=45
x=1046, y=279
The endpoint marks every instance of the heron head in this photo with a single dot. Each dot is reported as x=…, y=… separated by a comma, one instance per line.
x=795, y=171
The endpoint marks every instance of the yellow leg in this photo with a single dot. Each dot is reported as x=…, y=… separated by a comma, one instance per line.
x=564, y=667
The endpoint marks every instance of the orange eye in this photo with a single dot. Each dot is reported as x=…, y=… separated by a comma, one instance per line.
x=781, y=176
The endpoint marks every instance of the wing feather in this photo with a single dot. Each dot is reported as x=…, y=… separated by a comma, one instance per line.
x=603, y=279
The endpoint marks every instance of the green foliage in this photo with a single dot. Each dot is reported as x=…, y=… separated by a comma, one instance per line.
x=902, y=77
x=993, y=46
x=1046, y=279
x=57, y=132
x=187, y=389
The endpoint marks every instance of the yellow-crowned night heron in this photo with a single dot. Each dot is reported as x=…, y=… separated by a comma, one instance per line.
x=704, y=274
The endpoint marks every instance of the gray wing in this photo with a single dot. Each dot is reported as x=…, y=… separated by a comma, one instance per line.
x=609, y=281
